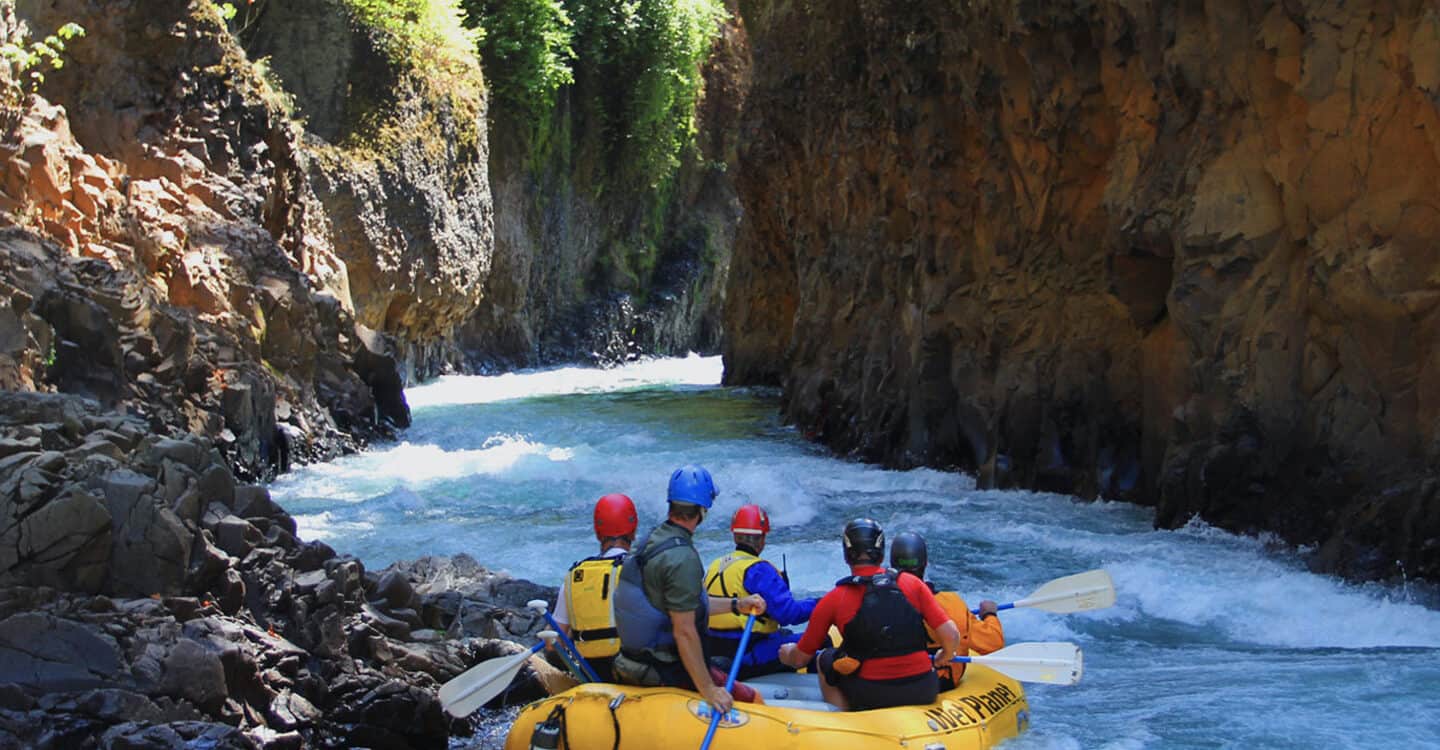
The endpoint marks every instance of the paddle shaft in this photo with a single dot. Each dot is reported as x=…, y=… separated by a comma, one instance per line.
x=1038, y=600
x=585, y=670
x=1018, y=661
x=729, y=681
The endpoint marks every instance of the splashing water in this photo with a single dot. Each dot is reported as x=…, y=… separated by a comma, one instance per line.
x=1216, y=640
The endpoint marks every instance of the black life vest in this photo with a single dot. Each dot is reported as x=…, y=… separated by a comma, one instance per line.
x=887, y=624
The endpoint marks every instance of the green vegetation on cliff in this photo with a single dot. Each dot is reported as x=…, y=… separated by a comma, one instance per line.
x=635, y=67
x=424, y=47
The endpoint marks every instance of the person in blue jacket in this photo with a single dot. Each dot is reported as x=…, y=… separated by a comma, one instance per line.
x=739, y=574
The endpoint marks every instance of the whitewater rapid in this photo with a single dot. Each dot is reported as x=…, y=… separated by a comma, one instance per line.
x=1215, y=641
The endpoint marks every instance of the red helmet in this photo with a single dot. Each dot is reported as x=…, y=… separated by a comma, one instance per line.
x=750, y=519
x=614, y=516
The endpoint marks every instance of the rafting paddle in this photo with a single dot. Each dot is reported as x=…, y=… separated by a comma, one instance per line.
x=729, y=681
x=1051, y=663
x=574, y=660
x=1081, y=592
x=482, y=682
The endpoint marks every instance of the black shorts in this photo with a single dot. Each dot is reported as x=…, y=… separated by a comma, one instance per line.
x=863, y=694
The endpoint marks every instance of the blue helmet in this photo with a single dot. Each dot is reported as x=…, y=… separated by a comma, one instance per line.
x=692, y=484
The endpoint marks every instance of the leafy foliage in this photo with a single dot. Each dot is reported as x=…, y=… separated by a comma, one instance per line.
x=28, y=62
x=635, y=66
x=650, y=52
x=526, y=49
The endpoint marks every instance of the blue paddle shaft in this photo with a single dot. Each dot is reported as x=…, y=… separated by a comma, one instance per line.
x=1002, y=607
x=729, y=682
x=570, y=646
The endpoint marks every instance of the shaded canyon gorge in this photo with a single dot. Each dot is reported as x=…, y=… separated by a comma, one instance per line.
x=1185, y=255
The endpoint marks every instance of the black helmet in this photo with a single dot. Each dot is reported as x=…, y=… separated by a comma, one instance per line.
x=864, y=542
x=908, y=553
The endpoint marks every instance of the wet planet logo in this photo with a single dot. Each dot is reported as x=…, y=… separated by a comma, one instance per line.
x=702, y=711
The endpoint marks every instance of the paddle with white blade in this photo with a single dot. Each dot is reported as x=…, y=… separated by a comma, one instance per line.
x=1050, y=663
x=477, y=685
x=1081, y=592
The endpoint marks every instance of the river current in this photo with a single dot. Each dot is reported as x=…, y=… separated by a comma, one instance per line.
x=1215, y=641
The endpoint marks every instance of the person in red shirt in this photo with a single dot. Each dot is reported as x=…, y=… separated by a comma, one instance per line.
x=882, y=616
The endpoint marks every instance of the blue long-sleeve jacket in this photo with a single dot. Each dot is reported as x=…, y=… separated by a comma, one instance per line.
x=762, y=578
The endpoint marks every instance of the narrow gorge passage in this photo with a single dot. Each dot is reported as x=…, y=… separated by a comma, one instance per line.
x=1216, y=641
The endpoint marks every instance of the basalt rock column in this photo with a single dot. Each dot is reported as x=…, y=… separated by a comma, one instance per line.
x=1182, y=254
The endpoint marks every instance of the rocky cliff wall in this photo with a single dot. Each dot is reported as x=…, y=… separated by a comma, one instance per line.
x=591, y=268
x=159, y=258
x=399, y=168
x=148, y=599
x=1179, y=253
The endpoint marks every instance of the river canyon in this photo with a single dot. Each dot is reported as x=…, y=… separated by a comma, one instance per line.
x=1175, y=260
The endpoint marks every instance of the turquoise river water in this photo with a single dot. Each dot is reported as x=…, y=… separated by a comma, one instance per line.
x=1216, y=641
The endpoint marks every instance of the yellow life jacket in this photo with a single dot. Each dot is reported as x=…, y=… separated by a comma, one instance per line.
x=592, y=620
x=726, y=577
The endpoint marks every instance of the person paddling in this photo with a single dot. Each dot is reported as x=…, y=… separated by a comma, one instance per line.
x=882, y=616
x=981, y=634
x=583, y=608
x=661, y=608
x=741, y=573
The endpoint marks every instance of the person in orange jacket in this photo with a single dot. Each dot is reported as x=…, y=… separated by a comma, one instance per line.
x=981, y=633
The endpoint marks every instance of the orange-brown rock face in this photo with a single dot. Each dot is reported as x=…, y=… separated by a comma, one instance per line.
x=154, y=252
x=1181, y=253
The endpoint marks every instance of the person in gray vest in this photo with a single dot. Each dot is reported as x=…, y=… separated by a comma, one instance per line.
x=661, y=608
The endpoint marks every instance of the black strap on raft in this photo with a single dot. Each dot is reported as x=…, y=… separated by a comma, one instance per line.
x=552, y=733
x=615, y=720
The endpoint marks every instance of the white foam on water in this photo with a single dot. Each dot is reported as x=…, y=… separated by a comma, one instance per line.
x=450, y=390
x=321, y=526
x=359, y=477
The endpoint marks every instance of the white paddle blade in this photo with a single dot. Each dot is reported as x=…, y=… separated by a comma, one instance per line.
x=539, y=605
x=1081, y=592
x=1050, y=663
x=477, y=685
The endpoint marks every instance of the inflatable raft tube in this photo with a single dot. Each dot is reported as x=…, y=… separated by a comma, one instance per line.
x=985, y=709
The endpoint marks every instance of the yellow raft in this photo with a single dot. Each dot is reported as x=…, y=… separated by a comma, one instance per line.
x=986, y=708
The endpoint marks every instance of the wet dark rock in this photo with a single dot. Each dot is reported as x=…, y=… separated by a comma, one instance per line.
x=394, y=587
x=236, y=536
x=150, y=545
x=254, y=501
x=391, y=626
x=291, y=711
x=182, y=735
x=396, y=715
x=180, y=451
x=9, y=447
x=63, y=543
x=375, y=365
x=44, y=652
x=217, y=485
x=14, y=698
